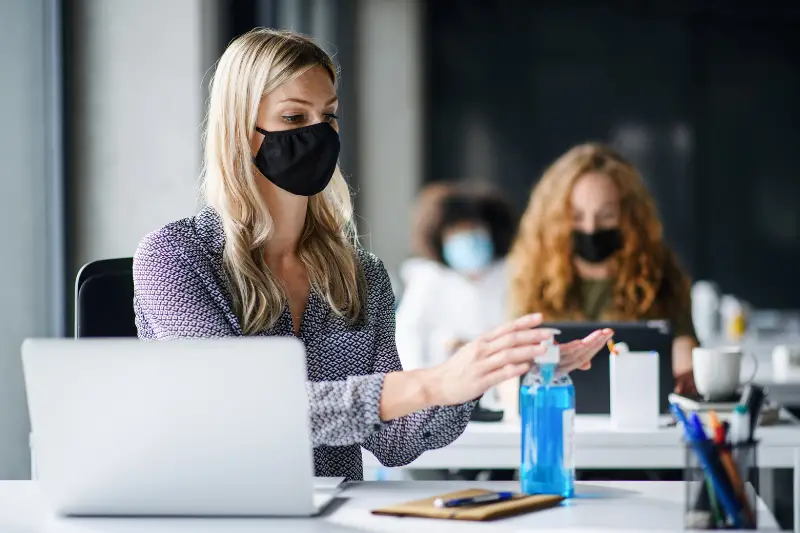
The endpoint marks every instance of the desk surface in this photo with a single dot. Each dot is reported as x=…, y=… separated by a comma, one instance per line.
x=599, y=506
x=784, y=389
x=597, y=445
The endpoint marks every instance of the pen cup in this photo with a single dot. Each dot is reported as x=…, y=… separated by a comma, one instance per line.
x=720, y=486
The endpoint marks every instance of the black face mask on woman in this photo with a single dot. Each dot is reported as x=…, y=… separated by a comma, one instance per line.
x=300, y=161
x=598, y=246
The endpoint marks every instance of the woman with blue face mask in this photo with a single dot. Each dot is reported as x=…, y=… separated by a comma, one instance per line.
x=458, y=292
x=456, y=287
x=467, y=248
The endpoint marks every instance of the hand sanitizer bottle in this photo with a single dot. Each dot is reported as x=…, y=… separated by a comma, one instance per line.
x=547, y=405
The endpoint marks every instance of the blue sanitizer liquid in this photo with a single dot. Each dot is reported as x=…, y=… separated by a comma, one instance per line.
x=547, y=409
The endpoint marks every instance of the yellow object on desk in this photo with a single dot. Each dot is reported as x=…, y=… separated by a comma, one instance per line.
x=426, y=509
x=611, y=348
x=737, y=327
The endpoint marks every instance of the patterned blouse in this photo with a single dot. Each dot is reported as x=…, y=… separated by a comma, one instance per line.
x=180, y=291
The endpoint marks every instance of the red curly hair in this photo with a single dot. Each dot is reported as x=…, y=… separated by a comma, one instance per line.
x=650, y=282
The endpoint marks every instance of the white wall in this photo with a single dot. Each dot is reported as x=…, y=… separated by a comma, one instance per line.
x=24, y=303
x=390, y=129
x=138, y=106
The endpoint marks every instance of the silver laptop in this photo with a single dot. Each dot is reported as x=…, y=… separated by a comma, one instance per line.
x=211, y=427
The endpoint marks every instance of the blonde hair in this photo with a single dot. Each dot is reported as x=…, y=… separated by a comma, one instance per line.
x=650, y=282
x=252, y=66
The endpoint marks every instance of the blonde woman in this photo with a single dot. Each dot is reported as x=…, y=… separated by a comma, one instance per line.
x=274, y=253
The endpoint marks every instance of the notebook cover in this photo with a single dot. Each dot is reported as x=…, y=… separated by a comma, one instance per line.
x=425, y=508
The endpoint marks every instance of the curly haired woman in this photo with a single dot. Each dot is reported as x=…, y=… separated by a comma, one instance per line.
x=590, y=247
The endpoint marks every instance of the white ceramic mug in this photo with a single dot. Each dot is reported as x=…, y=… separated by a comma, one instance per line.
x=718, y=371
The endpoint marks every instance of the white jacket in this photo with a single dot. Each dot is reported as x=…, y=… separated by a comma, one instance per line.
x=440, y=305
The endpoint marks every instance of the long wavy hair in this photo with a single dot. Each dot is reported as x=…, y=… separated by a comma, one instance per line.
x=252, y=66
x=649, y=281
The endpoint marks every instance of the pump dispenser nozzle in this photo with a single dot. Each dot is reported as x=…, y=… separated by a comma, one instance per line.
x=548, y=363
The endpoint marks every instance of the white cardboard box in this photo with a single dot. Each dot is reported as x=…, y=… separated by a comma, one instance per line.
x=634, y=390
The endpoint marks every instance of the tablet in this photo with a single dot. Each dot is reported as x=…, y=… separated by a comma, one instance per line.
x=592, y=387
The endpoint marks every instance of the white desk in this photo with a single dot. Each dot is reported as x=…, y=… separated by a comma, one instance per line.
x=597, y=445
x=600, y=506
x=784, y=389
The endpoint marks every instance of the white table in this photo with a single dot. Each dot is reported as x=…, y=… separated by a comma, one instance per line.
x=784, y=389
x=497, y=446
x=600, y=506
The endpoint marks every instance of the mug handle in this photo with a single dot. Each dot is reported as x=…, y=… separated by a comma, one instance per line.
x=752, y=356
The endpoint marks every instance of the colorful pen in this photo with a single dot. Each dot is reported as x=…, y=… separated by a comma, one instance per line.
x=481, y=499
x=611, y=347
x=754, y=398
x=728, y=464
x=714, y=471
x=740, y=425
x=703, y=503
x=714, y=504
x=716, y=427
x=713, y=468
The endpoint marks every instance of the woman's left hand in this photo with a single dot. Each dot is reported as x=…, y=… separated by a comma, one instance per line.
x=578, y=354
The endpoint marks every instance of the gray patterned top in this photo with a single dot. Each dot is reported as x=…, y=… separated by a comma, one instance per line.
x=180, y=291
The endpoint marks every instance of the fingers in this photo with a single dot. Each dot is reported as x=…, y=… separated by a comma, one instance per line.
x=600, y=336
x=523, y=322
x=504, y=373
x=684, y=383
x=578, y=354
x=517, y=338
x=511, y=356
x=681, y=385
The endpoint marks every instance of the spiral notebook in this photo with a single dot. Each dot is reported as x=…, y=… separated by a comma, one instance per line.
x=426, y=509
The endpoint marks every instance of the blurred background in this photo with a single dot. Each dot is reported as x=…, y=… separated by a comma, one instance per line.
x=102, y=103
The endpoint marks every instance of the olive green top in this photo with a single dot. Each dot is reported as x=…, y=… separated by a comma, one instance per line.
x=596, y=295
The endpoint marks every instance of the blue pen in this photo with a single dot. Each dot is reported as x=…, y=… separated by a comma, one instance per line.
x=703, y=502
x=481, y=499
x=714, y=470
x=680, y=418
x=697, y=438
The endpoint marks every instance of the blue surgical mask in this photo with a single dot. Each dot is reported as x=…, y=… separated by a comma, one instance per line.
x=468, y=252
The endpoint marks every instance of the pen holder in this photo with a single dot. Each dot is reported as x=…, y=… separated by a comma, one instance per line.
x=720, y=483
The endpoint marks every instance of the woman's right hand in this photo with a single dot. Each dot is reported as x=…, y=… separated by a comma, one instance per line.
x=507, y=352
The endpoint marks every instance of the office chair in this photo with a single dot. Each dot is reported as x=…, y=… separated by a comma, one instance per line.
x=104, y=299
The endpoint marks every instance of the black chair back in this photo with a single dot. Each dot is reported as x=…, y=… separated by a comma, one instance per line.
x=104, y=299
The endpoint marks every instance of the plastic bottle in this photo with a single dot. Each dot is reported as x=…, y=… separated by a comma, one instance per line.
x=706, y=311
x=547, y=409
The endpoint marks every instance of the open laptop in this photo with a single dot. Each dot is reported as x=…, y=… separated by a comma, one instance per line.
x=211, y=427
x=593, y=386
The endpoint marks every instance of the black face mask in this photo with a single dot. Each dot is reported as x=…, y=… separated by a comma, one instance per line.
x=598, y=246
x=300, y=161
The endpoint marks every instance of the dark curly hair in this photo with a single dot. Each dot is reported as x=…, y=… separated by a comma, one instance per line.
x=427, y=216
x=477, y=204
